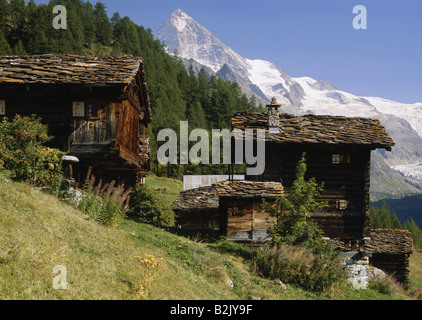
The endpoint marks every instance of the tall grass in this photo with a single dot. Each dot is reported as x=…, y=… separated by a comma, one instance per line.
x=301, y=266
x=104, y=203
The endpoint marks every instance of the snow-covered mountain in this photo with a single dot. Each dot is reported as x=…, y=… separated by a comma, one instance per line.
x=197, y=45
x=191, y=40
x=410, y=170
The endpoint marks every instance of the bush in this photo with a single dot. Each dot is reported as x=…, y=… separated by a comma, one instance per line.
x=104, y=210
x=383, y=284
x=22, y=151
x=103, y=203
x=299, y=254
x=312, y=270
x=293, y=224
x=146, y=207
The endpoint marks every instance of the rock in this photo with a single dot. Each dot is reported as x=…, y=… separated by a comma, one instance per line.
x=281, y=285
x=374, y=273
x=230, y=283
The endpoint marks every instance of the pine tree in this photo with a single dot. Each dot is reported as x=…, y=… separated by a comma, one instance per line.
x=40, y=21
x=103, y=25
x=90, y=28
x=203, y=92
x=19, y=49
x=395, y=222
x=293, y=211
x=196, y=116
x=380, y=217
x=252, y=102
x=243, y=103
x=415, y=231
x=18, y=23
x=5, y=49
x=4, y=11
x=75, y=26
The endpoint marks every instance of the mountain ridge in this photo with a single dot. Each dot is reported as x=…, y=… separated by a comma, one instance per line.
x=301, y=95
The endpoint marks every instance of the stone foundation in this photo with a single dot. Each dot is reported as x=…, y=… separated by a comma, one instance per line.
x=359, y=271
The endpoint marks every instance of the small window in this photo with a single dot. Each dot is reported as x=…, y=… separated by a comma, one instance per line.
x=340, y=159
x=78, y=109
x=2, y=108
x=238, y=209
x=342, y=204
x=93, y=108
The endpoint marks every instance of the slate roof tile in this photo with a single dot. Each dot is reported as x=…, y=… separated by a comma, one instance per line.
x=390, y=241
x=317, y=129
x=208, y=197
x=68, y=68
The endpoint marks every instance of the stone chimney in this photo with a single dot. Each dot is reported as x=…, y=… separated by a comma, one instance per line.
x=273, y=116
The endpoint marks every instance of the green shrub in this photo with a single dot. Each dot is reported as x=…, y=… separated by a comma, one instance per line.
x=104, y=210
x=146, y=207
x=103, y=203
x=293, y=224
x=384, y=285
x=22, y=151
x=313, y=270
x=299, y=254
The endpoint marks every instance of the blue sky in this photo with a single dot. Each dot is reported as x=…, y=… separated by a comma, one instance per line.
x=312, y=38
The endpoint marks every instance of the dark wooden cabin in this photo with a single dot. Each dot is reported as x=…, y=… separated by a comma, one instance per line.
x=231, y=208
x=338, y=153
x=390, y=251
x=241, y=214
x=198, y=209
x=97, y=109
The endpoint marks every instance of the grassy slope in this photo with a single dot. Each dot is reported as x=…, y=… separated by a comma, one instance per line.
x=38, y=232
x=415, y=276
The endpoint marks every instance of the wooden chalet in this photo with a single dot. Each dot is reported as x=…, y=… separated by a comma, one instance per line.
x=198, y=209
x=338, y=153
x=96, y=109
x=390, y=251
x=241, y=214
x=231, y=208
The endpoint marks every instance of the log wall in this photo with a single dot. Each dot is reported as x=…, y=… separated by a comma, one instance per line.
x=396, y=265
x=109, y=144
x=128, y=127
x=198, y=219
x=342, y=182
x=244, y=219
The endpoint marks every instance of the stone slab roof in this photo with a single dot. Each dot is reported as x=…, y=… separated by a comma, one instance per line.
x=198, y=198
x=318, y=129
x=389, y=241
x=69, y=69
x=249, y=189
x=208, y=197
